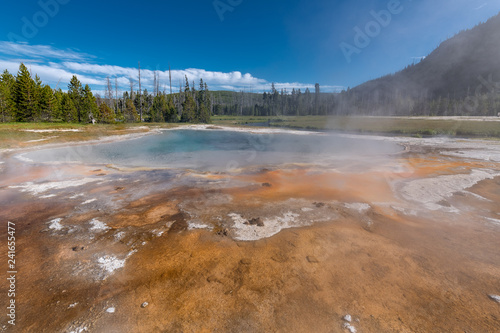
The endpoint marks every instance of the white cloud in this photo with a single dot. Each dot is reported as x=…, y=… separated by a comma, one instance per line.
x=147, y=75
x=49, y=74
x=41, y=51
x=11, y=66
x=58, y=66
x=100, y=69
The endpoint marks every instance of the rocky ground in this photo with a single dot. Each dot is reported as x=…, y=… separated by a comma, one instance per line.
x=404, y=243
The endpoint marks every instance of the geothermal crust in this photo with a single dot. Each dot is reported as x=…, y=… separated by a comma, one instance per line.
x=399, y=243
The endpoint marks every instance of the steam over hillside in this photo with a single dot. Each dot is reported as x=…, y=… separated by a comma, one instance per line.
x=460, y=77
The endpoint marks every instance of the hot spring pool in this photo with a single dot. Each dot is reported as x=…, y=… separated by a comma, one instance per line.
x=218, y=150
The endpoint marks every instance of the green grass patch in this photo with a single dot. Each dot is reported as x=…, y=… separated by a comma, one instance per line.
x=16, y=135
x=425, y=126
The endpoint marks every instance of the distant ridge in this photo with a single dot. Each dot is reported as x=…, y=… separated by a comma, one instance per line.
x=465, y=65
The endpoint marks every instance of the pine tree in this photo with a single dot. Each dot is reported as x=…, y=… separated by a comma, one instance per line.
x=46, y=103
x=130, y=112
x=23, y=95
x=75, y=92
x=188, y=110
x=69, y=113
x=200, y=101
x=89, y=105
x=7, y=82
x=37, y=107
x=106, y=115
x=203, y=111
x=57, y=108
x=188, y=106
x=158, y=109
x=147, y=103
x=171, y=111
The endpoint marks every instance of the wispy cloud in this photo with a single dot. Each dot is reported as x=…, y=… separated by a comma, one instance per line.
x=482, y=6
x=58, y=66
x=41, y=52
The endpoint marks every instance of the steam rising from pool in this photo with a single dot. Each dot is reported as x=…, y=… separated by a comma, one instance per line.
x=218, y=150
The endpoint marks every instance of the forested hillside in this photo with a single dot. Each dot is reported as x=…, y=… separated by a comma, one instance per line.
x=460, y=77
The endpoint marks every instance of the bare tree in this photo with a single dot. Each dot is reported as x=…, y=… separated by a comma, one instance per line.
x=140, y=92
x=241, y=103
x=154, y=83
x=132, y=83
x=179, y=105
x=108, y=94
x=170, y=78
x=157, y=82
x=116, y=93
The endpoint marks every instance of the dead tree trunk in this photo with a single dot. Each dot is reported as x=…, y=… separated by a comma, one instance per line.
x=170, y=78
x=140, y=92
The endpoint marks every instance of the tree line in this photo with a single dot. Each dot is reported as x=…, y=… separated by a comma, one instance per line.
x=403, y=102
x=358, y=101
x=24, y=98
x=275, y=103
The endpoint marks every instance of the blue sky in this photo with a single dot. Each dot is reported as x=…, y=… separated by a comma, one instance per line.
x=232, y=44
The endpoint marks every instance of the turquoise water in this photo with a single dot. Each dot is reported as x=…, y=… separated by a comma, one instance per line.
x=219, y=150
